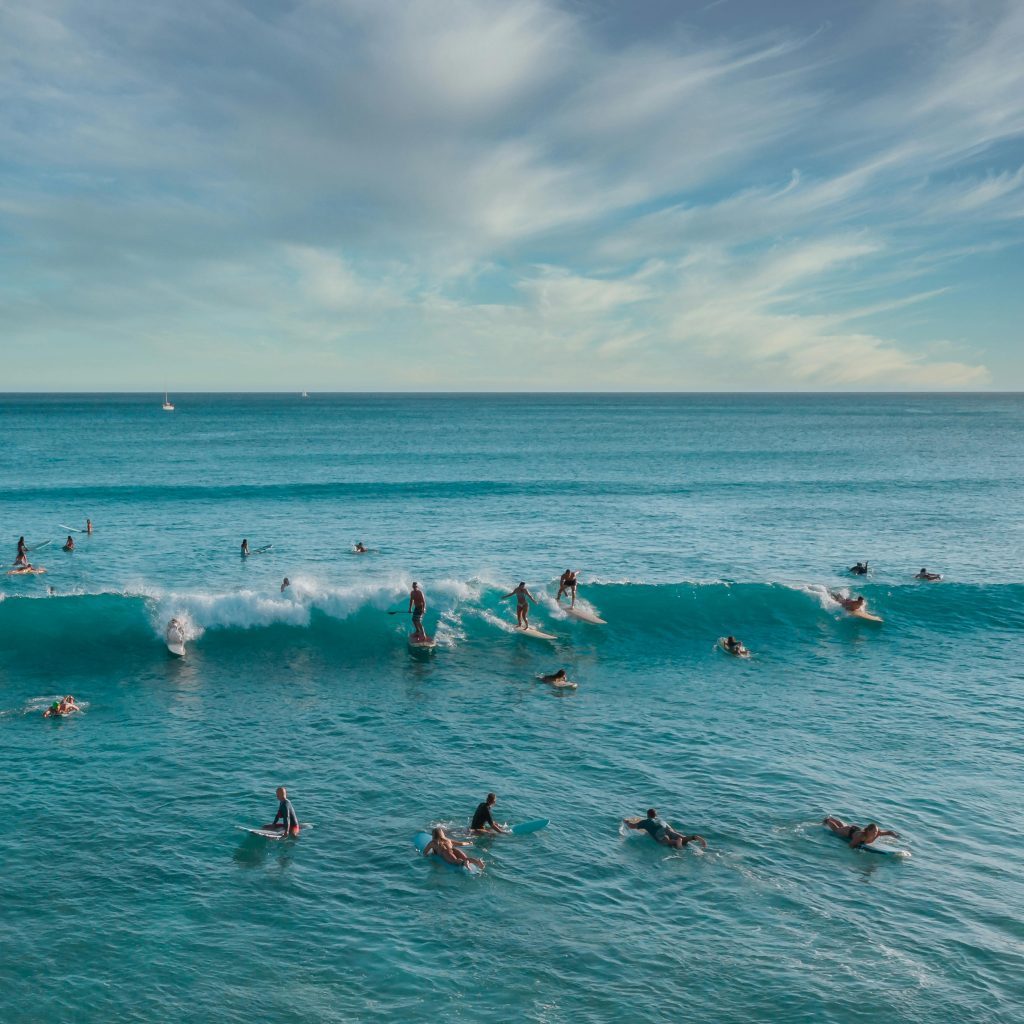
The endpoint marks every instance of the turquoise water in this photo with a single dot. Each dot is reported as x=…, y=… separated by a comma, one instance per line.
x=128, y=893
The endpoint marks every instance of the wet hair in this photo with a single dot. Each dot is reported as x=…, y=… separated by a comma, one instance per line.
x=651, y=812
x=522, y=583
x=491, y=798
x=560, y=674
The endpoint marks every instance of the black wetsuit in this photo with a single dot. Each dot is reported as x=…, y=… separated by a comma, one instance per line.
x=482, y=817
x=286, y=813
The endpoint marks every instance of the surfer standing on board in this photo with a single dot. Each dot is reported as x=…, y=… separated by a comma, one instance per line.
x=567, y=585
x=417, y=605
x=285, y=814
x=522, y=595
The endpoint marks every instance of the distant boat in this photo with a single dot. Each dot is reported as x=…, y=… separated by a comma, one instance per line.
x=305, y=394
x=167, y=405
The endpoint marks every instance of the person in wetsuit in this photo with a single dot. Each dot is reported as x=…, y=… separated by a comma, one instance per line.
x=483, y=821
x=417, y=605
x=860, y=569
x=854, y=834
x=661, y=831
x=289, y=822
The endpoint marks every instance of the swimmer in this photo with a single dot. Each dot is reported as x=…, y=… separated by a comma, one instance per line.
x=483, y=821
x=448, y=849
x=924, y=574
x=417, y=605
x=854, y=834
x=522, y=595
x=733, y=646
x=88, y=526
x=245, y=548
x=69, y=544
x=662, y=832
x=285, y=814
x=285, y=584
x=860, y=569
x=359, y=549
x=567, y=584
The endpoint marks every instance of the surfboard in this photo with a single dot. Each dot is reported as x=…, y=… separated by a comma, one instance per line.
x=583, y=615
x=534, y=632
x=741, y=653
x=417, y=644
x=422, y=839
x=31, y=571
x=524, y=828
x=885, y=851
x=36, y=547
x=259, y=551
x=863, y=613
x=175, y=640
x=273, y=833
x=70, y=529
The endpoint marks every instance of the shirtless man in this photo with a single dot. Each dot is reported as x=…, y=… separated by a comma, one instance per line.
x=522, y=595
x=924, y=574
x=854, y=834
x=417, y=605
x=567, y=585
x=851, y=604
x=662, y=832
x=448, y=849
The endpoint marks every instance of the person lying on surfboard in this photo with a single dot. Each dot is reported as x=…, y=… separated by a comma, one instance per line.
x=286, y=815
x=733, y=646
x=854, y=834
x=851, y=604
x=924, y=574
x=521, y=594
x=567, y=585
x=555, y=677
x=448, y=849
x=483, y=821
x=860, y=569
x=61, y=707
x=662, y=832
x=417, y=605
x=69, y=544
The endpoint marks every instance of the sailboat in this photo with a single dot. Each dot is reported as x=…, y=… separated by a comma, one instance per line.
x=167, y=405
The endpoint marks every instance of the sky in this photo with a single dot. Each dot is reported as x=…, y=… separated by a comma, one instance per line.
x=511, y=195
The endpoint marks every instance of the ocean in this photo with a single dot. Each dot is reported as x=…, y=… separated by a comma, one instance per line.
x=128, y=892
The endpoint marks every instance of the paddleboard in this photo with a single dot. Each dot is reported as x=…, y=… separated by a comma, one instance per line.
x=885, y=851
x=583, y=615
x=422, y=839
x=175, y=640
x=32, y=571
x=273, y=833
x=534, y=632
x=524, y=828
x=424, y=644
x=741, y=653
x=70, y=529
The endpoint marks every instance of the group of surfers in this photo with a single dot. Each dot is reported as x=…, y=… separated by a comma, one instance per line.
x=453, y=851
x=861, y=569
x=21, y=562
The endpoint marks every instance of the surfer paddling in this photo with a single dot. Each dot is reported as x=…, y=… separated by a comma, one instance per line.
x=59, y=708
x=661, y=831
x=483, y=820
x=567, y=584
x=851, y=604
x=924, y=574
x=417, y=605
x=285, y=819
x=449, y=850
x=733, y=646
x=522, y=596
x=854, y=834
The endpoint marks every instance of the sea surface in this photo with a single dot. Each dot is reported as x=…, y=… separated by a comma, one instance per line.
x=127, y=893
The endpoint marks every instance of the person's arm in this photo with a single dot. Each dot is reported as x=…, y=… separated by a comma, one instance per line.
x=494, y=825
x=530, y=596
x=429, y=848
x=511, y=593
x=887, y=832
x=696, y=839
x=409, y=609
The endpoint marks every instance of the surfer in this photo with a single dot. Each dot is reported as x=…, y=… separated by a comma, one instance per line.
x=924, y=574
x=289, y=822
x=854, y=834
x=22, y=556
x=245, y=548
x=522, y=595
x=359, y=549
x=558, y=678
x=69, y=544
x=860, y=569
x=88, y=526
x=733, y=646
x=483, y=821
x=448, y=849
x=567, y=585
x=285, y=584
x=661, y=831
x=851, y=604
x=417, y=605
x=61, y=707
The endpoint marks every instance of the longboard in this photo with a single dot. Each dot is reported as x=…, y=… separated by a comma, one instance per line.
x=175, y=640
x=70, y=529
x=31, y=571
x=534, y=632
x=422, y=839
x=273, y=833
x=583, y=615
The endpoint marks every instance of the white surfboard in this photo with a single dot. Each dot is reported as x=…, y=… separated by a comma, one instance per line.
x=583, y=615
x=175, y=640
x=534, y=632
x=272, y=833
